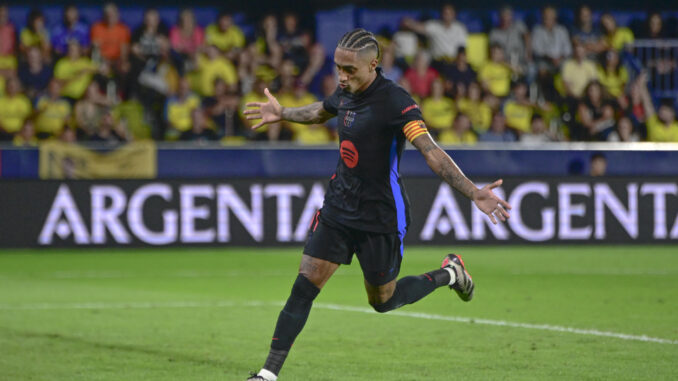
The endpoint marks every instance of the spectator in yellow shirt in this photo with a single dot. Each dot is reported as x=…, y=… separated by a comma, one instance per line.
x=438, y=110
x=178, y=110
x=612, y=74
x=35, y=34
x=225, y=35
x=661, y=124
x=577, y=72
x=459, y=133
x=213, y=65
x=518, y=110
x=53, y=112
x=75, y=71
x=495, y=75
x=475, y=109
x=615, y=38
x=15, y=107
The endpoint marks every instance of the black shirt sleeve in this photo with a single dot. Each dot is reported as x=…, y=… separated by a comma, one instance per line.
x=406, y=115
x=404, y=109
x=331, y=103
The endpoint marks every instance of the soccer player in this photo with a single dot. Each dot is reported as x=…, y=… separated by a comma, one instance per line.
x=365, y=210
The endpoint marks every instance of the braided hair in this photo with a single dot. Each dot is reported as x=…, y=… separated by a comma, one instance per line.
x=358, y=40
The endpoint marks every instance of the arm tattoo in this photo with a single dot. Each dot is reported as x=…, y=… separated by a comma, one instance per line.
x=443, y=165
x=309, y=114
x=427, y=147
x=452, y=175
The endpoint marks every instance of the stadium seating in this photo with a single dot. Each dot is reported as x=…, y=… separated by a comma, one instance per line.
x=640, y=57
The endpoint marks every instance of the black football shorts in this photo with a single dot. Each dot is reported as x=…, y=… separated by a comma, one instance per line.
x=379, y=254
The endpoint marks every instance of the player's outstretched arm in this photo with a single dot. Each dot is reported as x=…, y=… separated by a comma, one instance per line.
x=272, y=111
x=310, y=114
x=443, y=165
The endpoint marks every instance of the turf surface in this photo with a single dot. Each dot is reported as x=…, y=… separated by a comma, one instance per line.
x=209, y=314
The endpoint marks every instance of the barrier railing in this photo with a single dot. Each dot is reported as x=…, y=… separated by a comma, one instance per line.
x=659, y=58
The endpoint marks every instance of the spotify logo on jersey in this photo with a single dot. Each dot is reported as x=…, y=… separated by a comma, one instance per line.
x=349, y=153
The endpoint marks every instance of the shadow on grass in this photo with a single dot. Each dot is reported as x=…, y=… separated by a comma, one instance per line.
x=169, y=356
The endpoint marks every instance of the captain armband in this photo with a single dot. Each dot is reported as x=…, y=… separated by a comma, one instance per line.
x=414, y=129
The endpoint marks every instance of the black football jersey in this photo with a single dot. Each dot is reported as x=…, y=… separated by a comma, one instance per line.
x=366, y=192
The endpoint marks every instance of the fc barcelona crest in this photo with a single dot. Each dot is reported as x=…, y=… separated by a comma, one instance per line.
x=349, y=118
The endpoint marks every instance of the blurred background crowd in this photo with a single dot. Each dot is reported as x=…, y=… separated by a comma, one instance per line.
x=520, y=80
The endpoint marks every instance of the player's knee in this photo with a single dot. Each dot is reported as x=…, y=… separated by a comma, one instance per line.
x=389, y=305
x=379, y=307
x=314, y=278
x=384, y=302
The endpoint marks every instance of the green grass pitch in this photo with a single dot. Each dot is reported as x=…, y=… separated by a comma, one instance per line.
x=208, y=314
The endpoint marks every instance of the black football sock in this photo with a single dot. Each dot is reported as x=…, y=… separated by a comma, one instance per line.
x=290, y=322
x=412, y=288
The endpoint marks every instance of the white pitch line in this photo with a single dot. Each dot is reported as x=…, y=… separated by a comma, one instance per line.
x=335, y=307
x=233, y=274
x=127, y=275
x=503, y=323
x=607, y=272
x=132, y=305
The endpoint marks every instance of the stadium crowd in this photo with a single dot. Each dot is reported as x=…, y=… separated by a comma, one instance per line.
x=107, y=82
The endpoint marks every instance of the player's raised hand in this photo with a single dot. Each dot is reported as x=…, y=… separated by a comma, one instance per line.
x=269, y=112
x=490, y=204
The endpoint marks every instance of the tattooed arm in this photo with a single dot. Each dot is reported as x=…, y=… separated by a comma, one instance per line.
x=443, y=165
x=272, y=111
x=313, y=113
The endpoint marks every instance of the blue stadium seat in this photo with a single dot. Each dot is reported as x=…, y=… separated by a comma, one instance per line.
x=332, y=24
x=377, y=20
x=623, y=18
x=475, y=21
x=18, y=16
x=52, y=15
x=132, y=16
x=168, y=16
x=90, y=14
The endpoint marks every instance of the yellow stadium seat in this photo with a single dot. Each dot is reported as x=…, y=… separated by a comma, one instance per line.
x=477, y=46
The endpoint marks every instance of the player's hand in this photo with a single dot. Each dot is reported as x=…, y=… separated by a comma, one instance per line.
x=269, y=112
x=490, y=204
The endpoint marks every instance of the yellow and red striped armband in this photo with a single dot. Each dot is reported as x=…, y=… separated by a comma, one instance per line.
x=413, y=129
